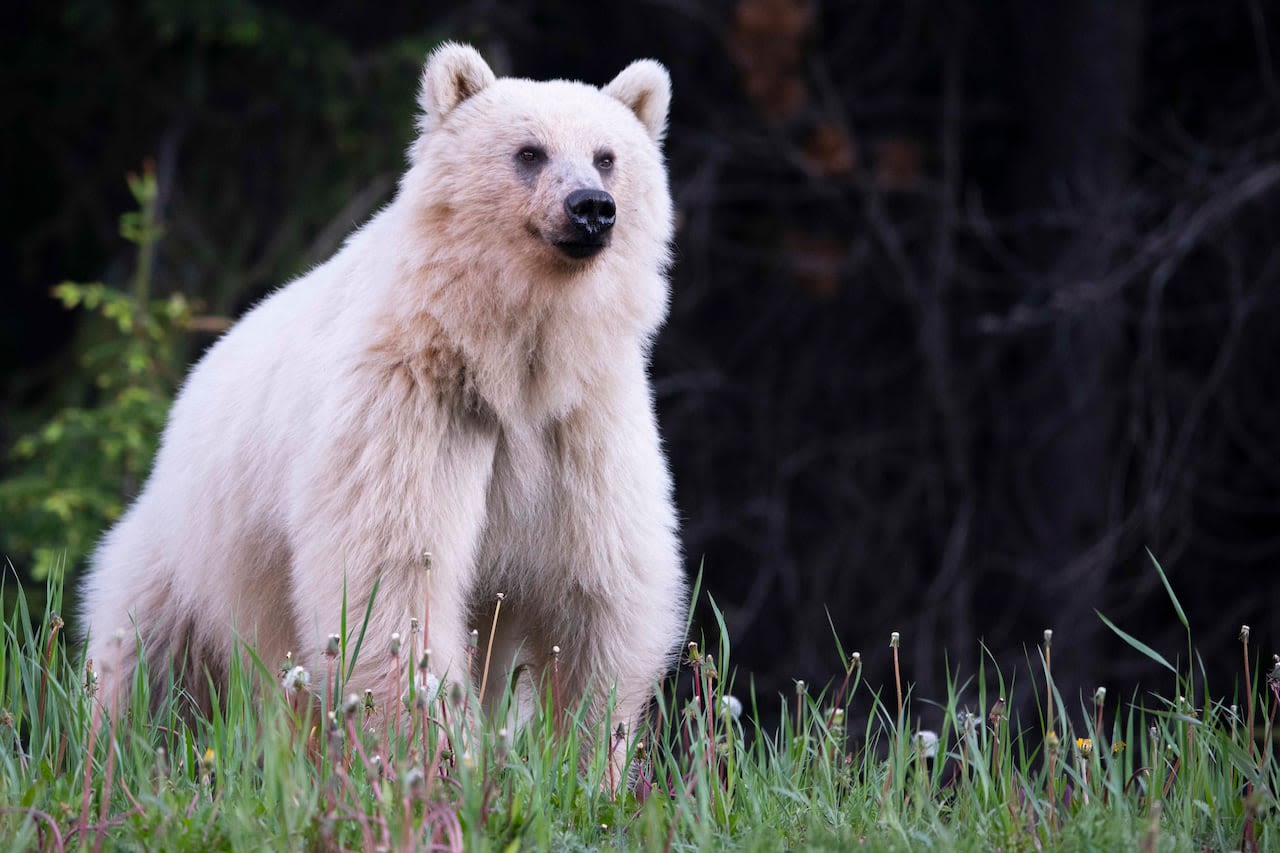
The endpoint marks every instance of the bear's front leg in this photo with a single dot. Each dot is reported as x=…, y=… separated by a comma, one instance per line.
x=624, y=599
x=386, y=489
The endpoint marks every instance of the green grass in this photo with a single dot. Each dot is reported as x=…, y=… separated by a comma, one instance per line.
x=273, y=770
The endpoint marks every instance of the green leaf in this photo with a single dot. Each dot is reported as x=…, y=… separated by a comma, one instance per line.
x=1136, y=643
x=1182, y=616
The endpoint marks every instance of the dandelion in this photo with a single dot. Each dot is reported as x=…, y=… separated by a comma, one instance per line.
x=428, y=687
x=967, y=723
x=730, y=706
x=837, y=722
x=927, y=743
x=295, y=679
x=1084, y=746
x=90, y=678
x=414, y=780
x=1100, y=696
x=207, y=773
x=395, y=645
x=1051, y=741
x=332, y=646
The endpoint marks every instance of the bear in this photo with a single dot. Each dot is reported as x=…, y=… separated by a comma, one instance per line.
x=467, y=376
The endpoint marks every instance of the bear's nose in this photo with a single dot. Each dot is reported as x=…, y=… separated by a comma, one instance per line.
x=590, y=211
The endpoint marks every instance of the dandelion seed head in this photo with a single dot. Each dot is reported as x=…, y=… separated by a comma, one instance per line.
x=414, y=778
x=730, y=706
x=428, y=686
x=927, y=743
x=297, y=678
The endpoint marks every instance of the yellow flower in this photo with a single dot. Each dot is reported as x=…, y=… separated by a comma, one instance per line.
x=1085, y=746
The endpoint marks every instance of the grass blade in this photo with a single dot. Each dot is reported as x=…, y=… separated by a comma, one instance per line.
x=1136, y=643
x=1177, y=606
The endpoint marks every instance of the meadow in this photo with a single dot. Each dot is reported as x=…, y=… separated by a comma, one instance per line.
x=287, y=761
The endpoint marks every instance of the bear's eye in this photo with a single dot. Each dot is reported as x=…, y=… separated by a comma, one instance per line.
x=531, y=154
x=604, y=161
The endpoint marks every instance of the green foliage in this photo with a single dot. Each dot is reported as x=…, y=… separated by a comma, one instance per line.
x=72, y=475
x=281, y=764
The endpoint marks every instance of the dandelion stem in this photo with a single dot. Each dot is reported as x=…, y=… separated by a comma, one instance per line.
x=488, y=649
x=426, y=586
x=1248, y=688
x=897, y=672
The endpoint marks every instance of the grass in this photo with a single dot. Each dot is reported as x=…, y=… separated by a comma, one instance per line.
x=290, y=765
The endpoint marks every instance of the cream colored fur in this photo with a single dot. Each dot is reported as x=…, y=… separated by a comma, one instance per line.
x=448, y=382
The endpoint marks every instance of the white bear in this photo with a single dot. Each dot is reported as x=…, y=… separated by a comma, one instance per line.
x=466, y=377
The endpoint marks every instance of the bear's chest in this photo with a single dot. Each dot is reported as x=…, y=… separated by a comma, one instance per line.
x=526, y=484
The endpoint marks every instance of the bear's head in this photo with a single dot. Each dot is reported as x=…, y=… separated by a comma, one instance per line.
x=553, y=176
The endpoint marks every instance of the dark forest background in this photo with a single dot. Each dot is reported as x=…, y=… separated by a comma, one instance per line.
x=974, y=301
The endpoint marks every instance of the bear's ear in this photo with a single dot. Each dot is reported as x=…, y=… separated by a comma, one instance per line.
x=453, y=73
x=645, y=88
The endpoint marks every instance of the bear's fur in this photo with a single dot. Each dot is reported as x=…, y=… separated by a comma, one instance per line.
x=453, y=381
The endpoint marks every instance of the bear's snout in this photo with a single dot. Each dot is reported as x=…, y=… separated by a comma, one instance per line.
x=591, y=214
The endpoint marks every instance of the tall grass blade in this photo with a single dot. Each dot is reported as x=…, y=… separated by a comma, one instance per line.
x=1137, y=644
x=1182, y=616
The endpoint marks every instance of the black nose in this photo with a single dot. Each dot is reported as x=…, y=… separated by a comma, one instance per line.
x=591, y=211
